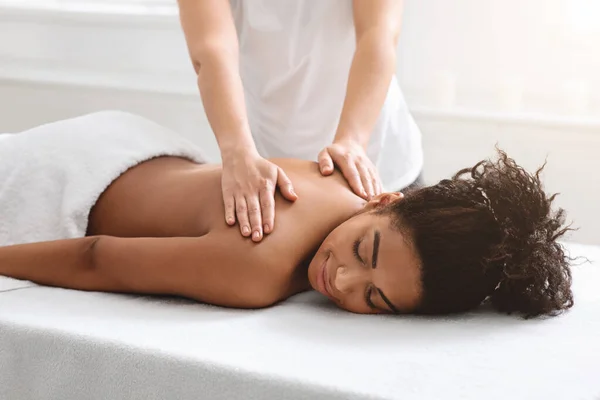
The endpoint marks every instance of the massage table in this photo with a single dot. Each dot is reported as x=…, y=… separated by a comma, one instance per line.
x=66, y=344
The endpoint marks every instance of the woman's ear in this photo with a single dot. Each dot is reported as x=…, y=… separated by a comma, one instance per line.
x=383, y=200
x=387, y=198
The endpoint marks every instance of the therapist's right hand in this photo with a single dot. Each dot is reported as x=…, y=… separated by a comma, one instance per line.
x=249, y=182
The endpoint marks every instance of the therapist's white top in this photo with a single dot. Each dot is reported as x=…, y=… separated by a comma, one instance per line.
x=295, y=56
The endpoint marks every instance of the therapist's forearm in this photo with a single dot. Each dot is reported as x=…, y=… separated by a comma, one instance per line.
x=214, y=51
x=222, y=95
x=372, y=69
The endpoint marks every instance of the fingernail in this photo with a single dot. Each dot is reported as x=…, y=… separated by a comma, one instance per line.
x=266, y=228
x=256, y=235
x=230, y=221
x=245, y=230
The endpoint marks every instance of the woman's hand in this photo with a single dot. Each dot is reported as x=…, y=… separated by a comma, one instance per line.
x=357, y=168
x=249, y=183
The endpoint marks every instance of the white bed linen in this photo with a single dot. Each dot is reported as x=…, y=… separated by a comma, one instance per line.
x=64, y=344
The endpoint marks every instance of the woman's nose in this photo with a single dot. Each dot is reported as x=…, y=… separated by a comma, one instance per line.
x=347, y=278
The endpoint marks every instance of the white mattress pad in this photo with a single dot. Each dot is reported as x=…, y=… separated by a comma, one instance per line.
x=65, y=344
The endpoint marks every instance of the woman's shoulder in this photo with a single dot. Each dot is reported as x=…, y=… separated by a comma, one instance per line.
x=324, y=202
x=308, y=171
x=296, y=164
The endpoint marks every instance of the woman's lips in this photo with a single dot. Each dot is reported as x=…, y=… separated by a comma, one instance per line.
x=322, y=284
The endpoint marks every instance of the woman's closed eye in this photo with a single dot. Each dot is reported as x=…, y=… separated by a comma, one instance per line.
x=368, y=294
x=355, y=250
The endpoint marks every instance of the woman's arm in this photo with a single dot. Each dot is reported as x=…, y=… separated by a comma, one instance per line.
x=206, y=269
x=64, y=263
x=249, y=181
x=377, y=25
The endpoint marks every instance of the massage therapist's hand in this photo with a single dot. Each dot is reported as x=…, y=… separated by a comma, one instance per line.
x=351, y=158
x=249, y=183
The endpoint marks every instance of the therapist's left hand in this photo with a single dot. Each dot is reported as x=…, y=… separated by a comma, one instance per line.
x=350, y=157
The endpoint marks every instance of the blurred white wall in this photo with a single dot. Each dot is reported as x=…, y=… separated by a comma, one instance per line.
x=520, y=73
x=504, y=55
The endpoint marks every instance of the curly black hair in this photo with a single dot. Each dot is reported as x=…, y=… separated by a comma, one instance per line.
x=489, y=233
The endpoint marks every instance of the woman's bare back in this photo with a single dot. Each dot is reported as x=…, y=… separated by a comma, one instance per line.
x=160, y=229
x=174, y=197
x=163, y=197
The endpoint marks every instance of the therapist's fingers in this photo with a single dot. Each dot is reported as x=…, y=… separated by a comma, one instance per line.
x=375, y=181
x=366, y=179
x=267, y=206
x=325, y=162
x=255, y=217
x=352, y=175
x=229, y=203
x=377, y=184
x=285, y=186
x=241, y=211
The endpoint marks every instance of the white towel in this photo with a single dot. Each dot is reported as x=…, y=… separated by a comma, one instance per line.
x=52, y=175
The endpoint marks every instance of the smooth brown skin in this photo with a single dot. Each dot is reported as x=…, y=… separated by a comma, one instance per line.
x=158, y=229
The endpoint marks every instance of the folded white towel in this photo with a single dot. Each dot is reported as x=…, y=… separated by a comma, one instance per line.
x=52, y=175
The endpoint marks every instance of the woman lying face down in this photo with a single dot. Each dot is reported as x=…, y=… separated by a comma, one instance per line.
x=489, y=232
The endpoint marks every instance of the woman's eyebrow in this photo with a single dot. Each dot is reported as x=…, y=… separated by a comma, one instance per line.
x=376, y=239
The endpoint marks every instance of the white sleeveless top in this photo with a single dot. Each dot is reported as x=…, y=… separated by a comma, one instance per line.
x=295, y=56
